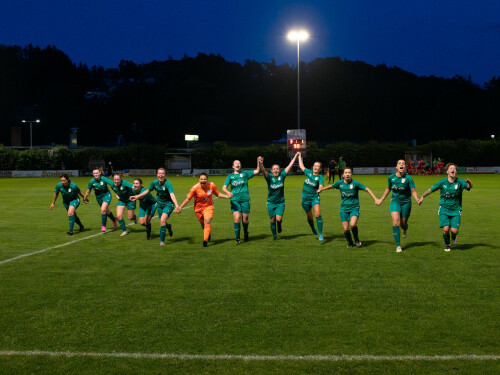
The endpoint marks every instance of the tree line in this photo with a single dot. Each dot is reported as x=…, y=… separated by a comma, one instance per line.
x=160, y=101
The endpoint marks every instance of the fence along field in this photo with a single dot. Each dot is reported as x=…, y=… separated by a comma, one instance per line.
x=111, y=304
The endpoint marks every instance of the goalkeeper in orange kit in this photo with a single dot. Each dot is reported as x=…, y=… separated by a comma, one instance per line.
x=203, y=203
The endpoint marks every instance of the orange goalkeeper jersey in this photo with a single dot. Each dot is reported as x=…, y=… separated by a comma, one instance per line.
x=203, y=196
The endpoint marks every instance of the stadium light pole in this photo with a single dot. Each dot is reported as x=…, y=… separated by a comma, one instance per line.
x=298, y=35
x=31, y=129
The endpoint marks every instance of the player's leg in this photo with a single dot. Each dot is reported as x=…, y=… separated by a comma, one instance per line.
x=245, y=213
x=345, y=226
x=207, y=219
x=396, y=232
x=454, y=225
x=319, y=218
x=131, y=212
x=445, y=222
x=279, y=211
x=120, y=209
x=306, y=206
x=353, y=222
x=71, y=218
x=236, y=211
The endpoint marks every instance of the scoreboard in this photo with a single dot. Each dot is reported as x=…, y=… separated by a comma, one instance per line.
x=296, y=141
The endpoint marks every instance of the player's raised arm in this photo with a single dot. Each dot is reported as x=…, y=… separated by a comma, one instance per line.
x=470, y=183
x=139, y=196
x=257, y=169
x=292, y=162
x=375, y=199
x=322, y=188
x=262, y=168
x=301, y=163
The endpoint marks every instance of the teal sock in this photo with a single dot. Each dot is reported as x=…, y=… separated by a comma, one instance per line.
x=273, y=229
x=237, y=227
x=77, y=220
x=111, y=216
x=446, y=238
x=163, y=230
x=454, y=236
x=168, y=226
x=245, y=227
x=71, y=222
x=134, y=218
x=148, y=229
x=104, y=218
x=319, y=222
x=311, y=224
x=355, y=233
x=347, y=235
x=122, y=225
x=396, y=233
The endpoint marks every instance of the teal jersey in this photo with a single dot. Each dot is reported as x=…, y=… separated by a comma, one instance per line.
x=100, y=187
x=239, y=185
x=401, y=188
x=311, y=184
x=349, y=194
x=451, y=194
x=124, y=191
x=146, y=201
x=276, y=188
x=68, y=194
x=162, y=191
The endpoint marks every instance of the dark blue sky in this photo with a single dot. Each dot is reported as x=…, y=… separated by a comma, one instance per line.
x=440, y=37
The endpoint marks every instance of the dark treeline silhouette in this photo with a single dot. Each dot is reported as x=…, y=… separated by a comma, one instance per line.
x=160, y=101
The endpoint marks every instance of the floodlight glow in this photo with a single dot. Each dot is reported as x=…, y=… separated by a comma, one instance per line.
x=298, y=35
x=191, y=137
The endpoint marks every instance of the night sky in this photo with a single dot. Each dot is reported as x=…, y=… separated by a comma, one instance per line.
x=441, y=38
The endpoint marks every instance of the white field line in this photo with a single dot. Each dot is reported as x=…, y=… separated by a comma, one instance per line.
x=67, y=243
x=221, y=357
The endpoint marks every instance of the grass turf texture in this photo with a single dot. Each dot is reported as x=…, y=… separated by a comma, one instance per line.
x=295, y=296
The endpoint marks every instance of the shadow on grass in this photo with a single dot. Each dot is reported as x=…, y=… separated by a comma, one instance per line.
x=419, y=244
x=374, y=242
x=469, y=246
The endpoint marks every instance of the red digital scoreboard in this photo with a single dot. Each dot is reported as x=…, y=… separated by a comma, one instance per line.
x=296, y=141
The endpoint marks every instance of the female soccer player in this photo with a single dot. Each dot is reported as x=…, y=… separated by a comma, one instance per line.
x=123, y=190
x=450, y=203
x=276, y=193
x=147, y=207
x=402, y=186
x=70, y=193
x=102, y=196
x=310, y=197
x=240, y=197
x=165, y=201
x=203, y=204
x=349, y=204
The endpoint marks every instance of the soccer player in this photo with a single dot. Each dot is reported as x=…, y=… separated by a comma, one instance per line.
x=165, y=201
x=203, y=204
x=450, y=203
x=349, y=204
x=70, y=193
x=102, y=196
x=240, y=197
x=276, y=193
x=123, y=190
x=147, y=207
x=341, y=167
x=402, y=186
x=310, y=197
x=332, y=169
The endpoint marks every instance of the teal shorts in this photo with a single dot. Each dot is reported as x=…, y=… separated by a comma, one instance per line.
x=106, y=198
x=275, y=209
x=347, y=215
x=404, y=209
x=164, y=208
x=75, y=203
x=449, y=220
x=149, y=211
x=243, y=207
x=308, y=204
x=130, y=205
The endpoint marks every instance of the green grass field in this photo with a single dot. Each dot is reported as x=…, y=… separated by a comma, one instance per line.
x=276, y=300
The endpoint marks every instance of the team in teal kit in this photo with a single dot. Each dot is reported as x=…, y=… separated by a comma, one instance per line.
x=349, y=204
x=123, y=190
x=450, y=203
x=240, y=197
x=402, y=186
x=310, y=197
x=71, y=201
x=102, y=196
x=165, y=201
x=276, y=193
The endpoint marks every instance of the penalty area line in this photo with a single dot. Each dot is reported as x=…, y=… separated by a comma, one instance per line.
x=221, y=357
x=64, y=244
